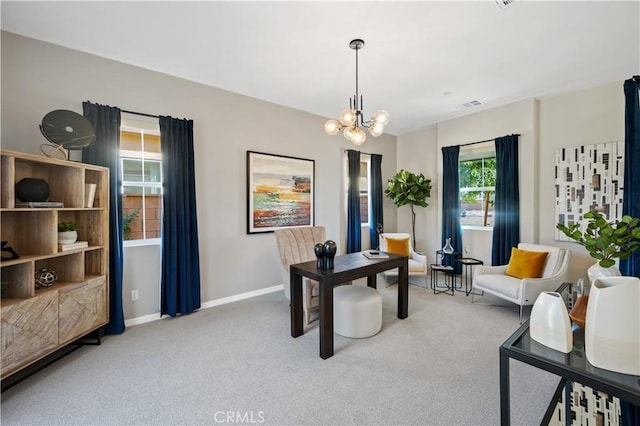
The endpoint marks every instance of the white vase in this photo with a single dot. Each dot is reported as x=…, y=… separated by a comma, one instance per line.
x=67, y=237
x=612, y=329
x=596, y=271
x=550, y=324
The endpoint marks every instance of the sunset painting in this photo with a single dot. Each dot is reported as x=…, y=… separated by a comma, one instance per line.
x=280, y=192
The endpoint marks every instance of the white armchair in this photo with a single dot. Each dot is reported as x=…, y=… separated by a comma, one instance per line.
x=296, y=245
x=417, y=262
x=524, y=292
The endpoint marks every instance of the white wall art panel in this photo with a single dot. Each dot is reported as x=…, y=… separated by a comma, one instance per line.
x=588, y=178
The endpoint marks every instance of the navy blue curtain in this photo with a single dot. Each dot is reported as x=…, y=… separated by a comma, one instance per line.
x=631, y=197
x=105, y=151
x=180, y=284
x=506, y=220
x=630, y=414
x=354, y=242
x=451, y=202
x=375, y=184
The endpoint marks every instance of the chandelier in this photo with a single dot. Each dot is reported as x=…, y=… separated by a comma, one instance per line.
x=351, y=118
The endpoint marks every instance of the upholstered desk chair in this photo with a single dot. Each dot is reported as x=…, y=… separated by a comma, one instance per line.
x=552, y=271
x=400, y=243
x=296, y=245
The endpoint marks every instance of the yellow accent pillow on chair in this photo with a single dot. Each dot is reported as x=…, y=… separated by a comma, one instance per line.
x=398, y=246
x=526, y=264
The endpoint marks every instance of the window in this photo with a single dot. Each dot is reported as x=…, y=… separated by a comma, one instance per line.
x=141, y=168
x=477, y=171
x=364, y=192
x=365, y=208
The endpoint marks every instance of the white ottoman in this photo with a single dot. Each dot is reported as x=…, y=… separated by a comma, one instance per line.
x=357, y=311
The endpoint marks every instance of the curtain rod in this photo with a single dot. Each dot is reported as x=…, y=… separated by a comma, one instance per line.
x=487, y=140
x=366, y=153
x=140, y=113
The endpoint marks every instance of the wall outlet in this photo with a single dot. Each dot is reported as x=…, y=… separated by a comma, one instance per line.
x=134, y=294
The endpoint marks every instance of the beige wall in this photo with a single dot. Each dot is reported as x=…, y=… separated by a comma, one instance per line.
x=587, y=116
x=417, y=153
x=39, y=77
x=590, y=116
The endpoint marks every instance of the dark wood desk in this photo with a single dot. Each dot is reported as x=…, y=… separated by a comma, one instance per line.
x=346, y=268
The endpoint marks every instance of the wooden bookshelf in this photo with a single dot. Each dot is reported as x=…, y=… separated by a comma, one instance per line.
x=37, y=322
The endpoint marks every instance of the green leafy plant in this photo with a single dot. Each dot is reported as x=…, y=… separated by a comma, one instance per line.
x=412, y=189
x=67, y=226
x=605, y=240
x=127, y=218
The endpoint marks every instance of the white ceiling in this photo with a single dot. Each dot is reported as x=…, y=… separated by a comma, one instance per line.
x=296, y=53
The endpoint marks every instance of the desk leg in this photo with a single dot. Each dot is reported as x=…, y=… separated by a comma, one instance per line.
x=295, y=292
x=505, y=398
x=372, y=281
x=326, y=318
x=403, y=289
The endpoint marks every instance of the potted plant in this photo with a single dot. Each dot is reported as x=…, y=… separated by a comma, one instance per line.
x=127, y=218
x=409, y=188
x=67, y=232
x=605, y=240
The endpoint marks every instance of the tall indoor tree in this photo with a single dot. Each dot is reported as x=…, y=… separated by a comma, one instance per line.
x=412, y=189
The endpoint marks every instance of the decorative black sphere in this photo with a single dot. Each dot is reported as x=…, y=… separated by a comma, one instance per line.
x=319, y=250
x=32, y=189
x=330, y=249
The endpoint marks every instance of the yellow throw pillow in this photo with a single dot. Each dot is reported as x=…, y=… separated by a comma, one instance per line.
x=526, y=264
x=398, y=245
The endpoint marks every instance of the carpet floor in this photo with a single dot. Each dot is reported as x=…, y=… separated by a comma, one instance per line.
x=238, y=364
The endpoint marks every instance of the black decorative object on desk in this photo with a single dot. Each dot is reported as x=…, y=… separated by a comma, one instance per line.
x=319, y=250
x=32, y=189
x=330, y=249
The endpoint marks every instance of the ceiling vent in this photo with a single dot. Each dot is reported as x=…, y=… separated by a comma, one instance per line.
x=502, y=4
x=470, y=104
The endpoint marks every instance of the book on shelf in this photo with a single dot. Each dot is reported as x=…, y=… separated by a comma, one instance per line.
x=374, y=254
x=40, y=204
x=73, y=246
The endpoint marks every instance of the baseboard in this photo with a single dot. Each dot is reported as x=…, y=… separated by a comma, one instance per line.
x=210, y=304
x=141, y=320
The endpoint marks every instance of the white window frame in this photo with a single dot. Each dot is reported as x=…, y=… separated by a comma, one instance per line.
x=367, y=191
x=142, y=156
x=363, y=159
x=479, y=152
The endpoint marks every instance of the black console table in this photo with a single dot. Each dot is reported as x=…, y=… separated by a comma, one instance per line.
x=573, y=366
x=446, y=265
x=467, y=265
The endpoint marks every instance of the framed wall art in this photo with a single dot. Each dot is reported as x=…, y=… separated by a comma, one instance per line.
x=588, y=178
x=280, y=192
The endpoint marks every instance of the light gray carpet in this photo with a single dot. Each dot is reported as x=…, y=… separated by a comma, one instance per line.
x=238, y=364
